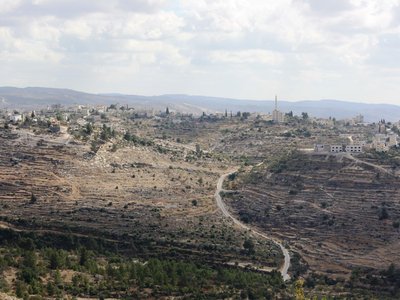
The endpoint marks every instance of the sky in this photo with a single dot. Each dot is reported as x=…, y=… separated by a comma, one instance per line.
x=247, y=49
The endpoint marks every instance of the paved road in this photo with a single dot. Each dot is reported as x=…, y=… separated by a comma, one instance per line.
x=222, y=207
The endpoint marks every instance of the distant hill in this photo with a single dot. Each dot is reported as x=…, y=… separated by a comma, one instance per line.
x=33, y=97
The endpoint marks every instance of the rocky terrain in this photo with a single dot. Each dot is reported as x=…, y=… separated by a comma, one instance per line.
x=149, y=196
x=338, y=212
x=146, y=187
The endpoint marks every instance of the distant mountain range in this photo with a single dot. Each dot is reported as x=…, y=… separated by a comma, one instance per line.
x=35, y=97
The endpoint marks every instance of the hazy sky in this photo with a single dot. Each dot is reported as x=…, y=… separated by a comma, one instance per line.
x=254, y=49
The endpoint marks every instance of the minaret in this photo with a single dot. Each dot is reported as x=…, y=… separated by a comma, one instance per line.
x=277, y=116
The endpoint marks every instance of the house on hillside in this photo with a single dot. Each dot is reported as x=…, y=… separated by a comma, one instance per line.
x=354, y=148
x=15, y=118
x=336, y=148
x=321, y=148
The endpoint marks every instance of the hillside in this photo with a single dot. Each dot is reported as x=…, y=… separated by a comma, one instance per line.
x=338, y=212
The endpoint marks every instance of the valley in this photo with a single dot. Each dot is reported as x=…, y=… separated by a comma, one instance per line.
x=238, y=193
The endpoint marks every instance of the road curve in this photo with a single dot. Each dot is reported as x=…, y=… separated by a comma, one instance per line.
x=285, y=267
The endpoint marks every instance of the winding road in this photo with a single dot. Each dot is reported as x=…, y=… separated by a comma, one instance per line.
x=285, y=267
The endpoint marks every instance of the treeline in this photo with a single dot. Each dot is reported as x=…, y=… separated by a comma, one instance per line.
x=386, y=281
x=39, y=273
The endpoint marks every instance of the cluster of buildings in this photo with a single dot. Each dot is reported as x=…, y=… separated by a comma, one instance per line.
x=382, y=141
x=338, y=148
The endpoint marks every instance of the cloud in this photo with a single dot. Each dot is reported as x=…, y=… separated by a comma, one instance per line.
x=253, y=56
x=7, y=6
x=149, y=6
x=188, y=43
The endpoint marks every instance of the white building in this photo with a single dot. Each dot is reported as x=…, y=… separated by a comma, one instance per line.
x=380, y=142
x=336, y=148
x=16, y=118
x=381, y=147
x=358, y=119
x=277, y=116
x=393, y=140
x=321, y=148
x=354, y=148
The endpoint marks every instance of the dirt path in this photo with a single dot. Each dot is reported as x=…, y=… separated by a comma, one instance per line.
x=380, y=168
x=284, y=269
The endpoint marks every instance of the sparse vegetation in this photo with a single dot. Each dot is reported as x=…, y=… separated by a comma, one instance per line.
x=123, y=205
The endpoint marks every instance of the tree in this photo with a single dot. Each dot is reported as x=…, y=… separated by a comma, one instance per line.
x=248, y=245
x=89, y=128
x=83, y=256
x=304, y=115
x=383, y=214
x=106, y=133
x=33, y=199
x=55, y=259
x=198, y=149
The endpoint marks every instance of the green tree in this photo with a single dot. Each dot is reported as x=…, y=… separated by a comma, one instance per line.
x=83, y=256
x=55, y=259
x=33, y=198
x=89, y=128
x=248, y=245
x=383, y=213
x=20, y=289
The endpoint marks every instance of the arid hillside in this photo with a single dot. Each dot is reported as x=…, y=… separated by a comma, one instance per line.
x=338, y=212
x=158, y=197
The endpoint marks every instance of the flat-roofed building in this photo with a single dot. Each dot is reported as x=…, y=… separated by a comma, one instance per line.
x=354, y=148
x=336, y=148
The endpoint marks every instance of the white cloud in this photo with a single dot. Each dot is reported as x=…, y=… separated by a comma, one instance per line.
x=80, y=29
x=8, y=5
x=252, y=56
x=196, y=42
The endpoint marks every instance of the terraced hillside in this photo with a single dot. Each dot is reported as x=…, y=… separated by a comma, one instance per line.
x=337, y=212
x=158, y=197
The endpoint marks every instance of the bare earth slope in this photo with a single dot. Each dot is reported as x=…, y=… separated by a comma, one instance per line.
x=151, y=196
x=337, y=212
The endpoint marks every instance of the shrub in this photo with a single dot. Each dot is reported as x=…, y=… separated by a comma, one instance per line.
x=33, y=199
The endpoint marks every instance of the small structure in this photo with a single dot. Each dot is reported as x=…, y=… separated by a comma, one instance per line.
x=16, y=118
x=381, y=127
x=393, y=140
x=321, y=148
x=359, y=119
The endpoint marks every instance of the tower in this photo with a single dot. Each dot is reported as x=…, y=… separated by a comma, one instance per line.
x=277, y=116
